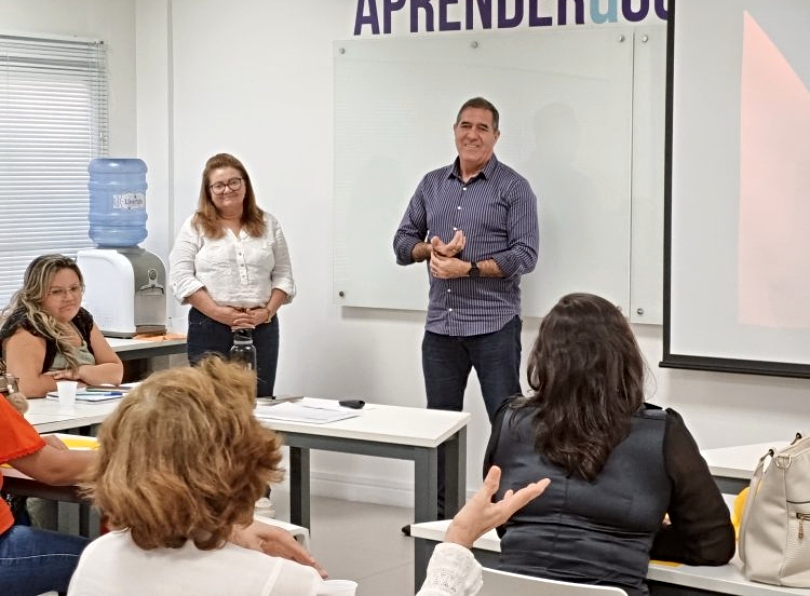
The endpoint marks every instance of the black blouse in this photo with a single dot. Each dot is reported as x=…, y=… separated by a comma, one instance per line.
x=83, y=322
x=700, y=532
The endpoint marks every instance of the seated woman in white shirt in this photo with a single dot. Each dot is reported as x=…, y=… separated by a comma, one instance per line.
x=230, y=262
x=47, y=335
x=181, y=463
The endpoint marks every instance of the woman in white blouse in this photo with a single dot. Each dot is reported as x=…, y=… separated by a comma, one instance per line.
x=230, y=262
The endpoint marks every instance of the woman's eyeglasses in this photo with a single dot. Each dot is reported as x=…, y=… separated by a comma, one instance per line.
x=219, y=187
x=63, y=293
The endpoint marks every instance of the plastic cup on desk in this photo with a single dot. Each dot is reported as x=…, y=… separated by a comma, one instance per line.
x=67, y=393
x=338, y=587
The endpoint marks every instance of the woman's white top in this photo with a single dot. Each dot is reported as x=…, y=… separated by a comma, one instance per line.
x=236, y=270
x=113, y=565
x=452, y=571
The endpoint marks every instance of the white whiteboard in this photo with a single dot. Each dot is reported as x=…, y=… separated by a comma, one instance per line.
x=739, y=211
x=566, y=103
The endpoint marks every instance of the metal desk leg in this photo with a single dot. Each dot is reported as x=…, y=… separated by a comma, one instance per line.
x=422, y=551
x=455, y=473
x=78, y=519
x=67, y=518
x=426, y=485
x=299, y=487
x=89, y=521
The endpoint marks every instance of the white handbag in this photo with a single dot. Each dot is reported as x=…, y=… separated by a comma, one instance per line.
x=775, y=529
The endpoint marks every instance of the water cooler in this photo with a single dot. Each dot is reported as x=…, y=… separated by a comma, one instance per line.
x=125, y=285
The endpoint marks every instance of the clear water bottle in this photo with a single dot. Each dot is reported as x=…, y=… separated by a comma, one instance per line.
x=117, y=202
x=243, y=350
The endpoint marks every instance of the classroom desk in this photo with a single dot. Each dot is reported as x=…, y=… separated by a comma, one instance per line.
x=137, y=354
x=140, y=349
x=664, y=579
x=384, y=431
x=47, y=416
x=732, y=467
x=74, y=515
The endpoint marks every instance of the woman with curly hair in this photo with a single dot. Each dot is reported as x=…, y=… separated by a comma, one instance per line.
x=47, y=335
x=181, y=463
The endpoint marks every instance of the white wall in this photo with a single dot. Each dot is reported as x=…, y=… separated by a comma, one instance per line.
x=152, y=20
x=254, y=77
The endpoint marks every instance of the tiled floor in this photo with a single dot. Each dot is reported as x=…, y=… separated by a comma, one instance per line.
x=360, y=541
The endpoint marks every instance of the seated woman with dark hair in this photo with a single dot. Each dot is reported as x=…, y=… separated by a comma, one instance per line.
x=181, y=463
x=47, y=335
x=617, y=465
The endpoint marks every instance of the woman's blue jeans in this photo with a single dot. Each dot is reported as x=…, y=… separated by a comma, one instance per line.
x=206, y=336
x=34, y=561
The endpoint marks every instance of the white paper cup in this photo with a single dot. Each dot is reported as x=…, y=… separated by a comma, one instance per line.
x=67, y=393
x=338, y=587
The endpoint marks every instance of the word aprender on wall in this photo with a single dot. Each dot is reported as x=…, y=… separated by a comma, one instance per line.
x=375, y=16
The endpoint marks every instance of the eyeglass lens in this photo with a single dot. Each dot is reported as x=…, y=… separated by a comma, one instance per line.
x=234, y=184
x=64, y=292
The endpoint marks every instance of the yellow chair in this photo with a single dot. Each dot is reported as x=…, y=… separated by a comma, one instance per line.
x=737, y=511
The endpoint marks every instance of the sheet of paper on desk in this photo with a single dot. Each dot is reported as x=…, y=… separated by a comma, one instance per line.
x=301, y=412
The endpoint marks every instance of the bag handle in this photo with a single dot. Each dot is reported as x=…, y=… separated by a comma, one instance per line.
x=749, y=501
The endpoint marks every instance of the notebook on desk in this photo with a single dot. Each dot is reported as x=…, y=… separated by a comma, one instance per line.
x=106, y=387
x=77, y=442
x=84, y=396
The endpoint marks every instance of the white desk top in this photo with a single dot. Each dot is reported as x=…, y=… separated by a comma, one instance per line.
x=725, y=579
x=396, y=425
x=434, y=530
x=738, y=462
x=386, y=424
x=125, y=345
x=46, y=415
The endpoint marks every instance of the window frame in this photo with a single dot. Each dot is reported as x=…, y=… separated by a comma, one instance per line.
x=54, y=118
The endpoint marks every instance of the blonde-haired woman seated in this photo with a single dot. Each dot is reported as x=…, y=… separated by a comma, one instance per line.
x=181, y=463
x=47, y=335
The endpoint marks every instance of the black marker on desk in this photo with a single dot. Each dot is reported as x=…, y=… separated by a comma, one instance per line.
x=354, y=404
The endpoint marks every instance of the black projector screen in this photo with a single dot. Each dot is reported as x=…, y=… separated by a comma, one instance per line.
x=737, y=231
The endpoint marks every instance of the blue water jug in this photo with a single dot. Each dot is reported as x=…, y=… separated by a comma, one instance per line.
x=117, y=202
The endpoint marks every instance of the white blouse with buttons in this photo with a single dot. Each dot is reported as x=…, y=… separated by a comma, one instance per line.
x=236, y=270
